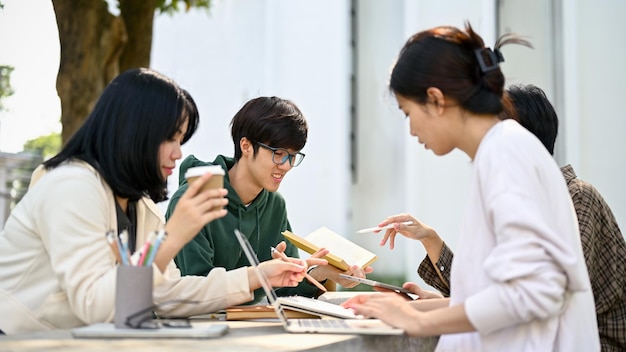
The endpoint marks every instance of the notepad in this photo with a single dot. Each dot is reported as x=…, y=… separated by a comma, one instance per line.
x=343, y=252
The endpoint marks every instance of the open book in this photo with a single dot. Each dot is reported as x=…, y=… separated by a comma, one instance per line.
x=343, y=252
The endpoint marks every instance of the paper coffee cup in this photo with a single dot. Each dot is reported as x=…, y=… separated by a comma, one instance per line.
x=216, y=181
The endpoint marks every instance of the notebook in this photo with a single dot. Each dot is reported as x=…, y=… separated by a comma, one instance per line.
x=108, y=330
x=351, y=324
x=343, y=252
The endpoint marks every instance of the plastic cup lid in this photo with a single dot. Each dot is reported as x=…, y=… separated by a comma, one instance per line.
x=201, y=170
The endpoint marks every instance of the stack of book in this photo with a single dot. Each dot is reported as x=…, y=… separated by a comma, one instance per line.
x=262, y=312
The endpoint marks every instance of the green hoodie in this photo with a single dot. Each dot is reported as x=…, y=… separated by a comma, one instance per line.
x=263, y=221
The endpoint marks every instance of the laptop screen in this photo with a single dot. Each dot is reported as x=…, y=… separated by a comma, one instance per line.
x=363, y=326
x=254, y=262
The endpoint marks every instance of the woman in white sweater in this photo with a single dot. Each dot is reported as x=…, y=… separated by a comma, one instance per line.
x=519, y=280
x=58, y=270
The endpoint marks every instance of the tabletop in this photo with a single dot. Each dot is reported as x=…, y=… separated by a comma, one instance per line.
x=251, y=336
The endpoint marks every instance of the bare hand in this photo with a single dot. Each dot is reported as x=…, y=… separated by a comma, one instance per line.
x=328, y=272
x=192, y=212
x=332, y=273
x=406, y=296
x=416, y=231
x=388, y=307
x=420, y=292
x=282, y=273
x=314, y=259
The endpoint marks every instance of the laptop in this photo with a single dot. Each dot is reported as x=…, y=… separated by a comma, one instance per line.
x=349, y=324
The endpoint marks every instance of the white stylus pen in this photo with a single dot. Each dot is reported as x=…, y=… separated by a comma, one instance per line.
x=372, y=229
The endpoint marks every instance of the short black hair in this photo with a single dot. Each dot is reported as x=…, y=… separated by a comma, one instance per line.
x=271, y=120
x=533, y=110
x=135, y=113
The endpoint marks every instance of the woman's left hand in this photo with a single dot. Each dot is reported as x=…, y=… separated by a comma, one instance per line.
x=388, y=307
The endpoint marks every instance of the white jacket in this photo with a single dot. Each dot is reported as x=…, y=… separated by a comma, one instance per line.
x=519, y=267
x=57, y=270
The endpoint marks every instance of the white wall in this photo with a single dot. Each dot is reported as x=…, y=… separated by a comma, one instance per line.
x=434, y=187
x=524, y=65
x=302, y=51
x=295, y=50
x=595, y=85
x=568, y=45
x=380, y=129
x=577, y=60
x=437, y=186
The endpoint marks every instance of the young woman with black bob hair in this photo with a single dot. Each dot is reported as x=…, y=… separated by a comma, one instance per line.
x=518, y=280
x=58, y=270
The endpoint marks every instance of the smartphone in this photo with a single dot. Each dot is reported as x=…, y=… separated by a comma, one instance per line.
x=375, y=283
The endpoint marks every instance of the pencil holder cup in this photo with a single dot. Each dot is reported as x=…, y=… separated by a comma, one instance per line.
x=133, y=294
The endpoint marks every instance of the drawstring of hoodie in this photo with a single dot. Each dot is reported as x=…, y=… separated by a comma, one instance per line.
x=239, y=219
x=258, y=229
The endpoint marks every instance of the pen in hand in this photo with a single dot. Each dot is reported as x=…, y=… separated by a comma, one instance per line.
x=372, y=229
x=308, y=277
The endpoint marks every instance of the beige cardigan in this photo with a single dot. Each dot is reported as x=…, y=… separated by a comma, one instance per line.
x=57, y=270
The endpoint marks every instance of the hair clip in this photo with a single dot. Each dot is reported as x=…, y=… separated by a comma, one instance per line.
x=495, y=56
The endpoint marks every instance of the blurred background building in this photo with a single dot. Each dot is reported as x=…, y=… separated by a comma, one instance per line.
x=333, y=58
x=15, y=171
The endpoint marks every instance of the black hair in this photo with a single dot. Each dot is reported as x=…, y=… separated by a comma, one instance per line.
x=533, y=110
x=455, y=61
x=270, y=120
x=136, y=112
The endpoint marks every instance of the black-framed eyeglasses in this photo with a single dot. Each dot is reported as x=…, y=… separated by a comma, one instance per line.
x=144, y=319
x=281, y=155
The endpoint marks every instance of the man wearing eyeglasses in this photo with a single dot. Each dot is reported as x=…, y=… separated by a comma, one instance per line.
x=268, y=134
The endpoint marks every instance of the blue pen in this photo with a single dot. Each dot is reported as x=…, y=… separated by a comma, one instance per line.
x=155, y=247
x=124, y=252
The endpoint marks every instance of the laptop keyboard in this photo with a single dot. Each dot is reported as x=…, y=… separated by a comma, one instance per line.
x=317, y=307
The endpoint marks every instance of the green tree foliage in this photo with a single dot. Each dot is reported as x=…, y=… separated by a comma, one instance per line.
x=172, y=6
x=5, y=83
x=45, y=146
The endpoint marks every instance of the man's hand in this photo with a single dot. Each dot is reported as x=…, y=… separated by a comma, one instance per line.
x=332, y=273
x=314, y=259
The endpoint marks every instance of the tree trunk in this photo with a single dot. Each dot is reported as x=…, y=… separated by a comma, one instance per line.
x=92, y=41
x=138, y=17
